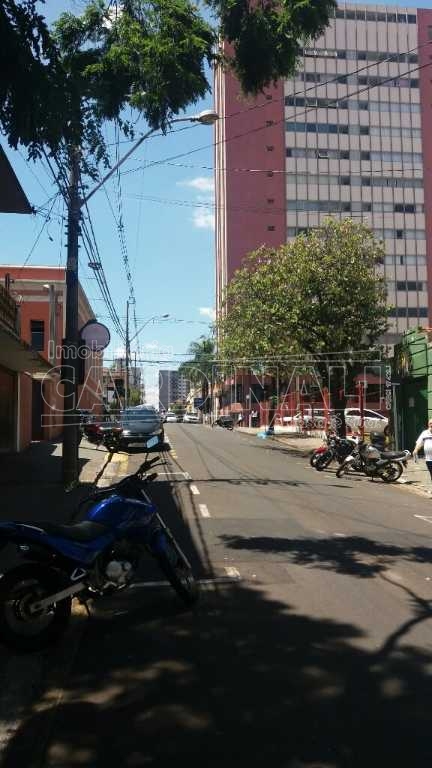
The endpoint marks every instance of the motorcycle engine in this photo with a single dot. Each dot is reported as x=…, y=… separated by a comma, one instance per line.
x=118, y=572
x=372, y=453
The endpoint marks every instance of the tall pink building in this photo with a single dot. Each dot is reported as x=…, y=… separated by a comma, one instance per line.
x=349, y=135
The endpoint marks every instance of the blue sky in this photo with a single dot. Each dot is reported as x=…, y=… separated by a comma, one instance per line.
x=170, y=238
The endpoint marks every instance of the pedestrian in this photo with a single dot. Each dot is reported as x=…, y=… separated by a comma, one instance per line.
x=240, y=420
x=424, y=441
x=254, y=417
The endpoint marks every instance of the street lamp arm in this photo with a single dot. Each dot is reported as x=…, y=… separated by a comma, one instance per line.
x=206, y=117
x=117, y=165
x=143, y=326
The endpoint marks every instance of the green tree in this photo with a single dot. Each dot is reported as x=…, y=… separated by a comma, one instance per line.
x=200, y=369
x=322, y=293
x=134, y=397
x=148, y=54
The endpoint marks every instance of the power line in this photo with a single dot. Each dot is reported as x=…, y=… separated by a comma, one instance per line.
x=295, y=117
x=47, y=219
x=278, y=170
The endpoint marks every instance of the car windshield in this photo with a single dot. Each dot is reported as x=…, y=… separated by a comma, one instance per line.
x=143, y=414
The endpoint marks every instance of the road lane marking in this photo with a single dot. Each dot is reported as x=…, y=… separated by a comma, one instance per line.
x=426, y=518
x=194, y=490
x=232, y=572
x=216, y=580
x=204, y=510
x=187, y=476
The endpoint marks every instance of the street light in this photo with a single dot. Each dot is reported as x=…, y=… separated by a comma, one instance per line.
x=155, y=317
x=75, y=204
x=206, y=117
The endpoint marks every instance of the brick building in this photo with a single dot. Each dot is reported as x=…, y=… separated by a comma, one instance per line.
x=31, y=393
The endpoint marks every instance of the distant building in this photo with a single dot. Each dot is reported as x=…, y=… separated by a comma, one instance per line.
x=349, y=135
x=114, y=380
x=173, y=388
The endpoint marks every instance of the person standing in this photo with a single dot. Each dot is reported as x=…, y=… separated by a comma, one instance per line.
x=240, y=420
x=424, y=441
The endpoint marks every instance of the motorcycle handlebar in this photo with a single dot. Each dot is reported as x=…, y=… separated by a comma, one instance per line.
x=110, y=489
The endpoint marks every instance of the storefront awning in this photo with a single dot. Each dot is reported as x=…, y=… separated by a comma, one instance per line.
x=18, y=356
x=12, y=197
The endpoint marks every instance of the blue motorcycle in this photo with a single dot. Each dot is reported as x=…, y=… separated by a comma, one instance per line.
x=91, y=558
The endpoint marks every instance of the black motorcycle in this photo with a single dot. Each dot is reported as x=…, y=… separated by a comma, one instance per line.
x=227, y=422
x=370, y=459
x=335, y=448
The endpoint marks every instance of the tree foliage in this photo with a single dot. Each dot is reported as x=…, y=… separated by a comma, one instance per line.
x=200, y=369
x=320, y=293
x=147, y=54
x=267, y=38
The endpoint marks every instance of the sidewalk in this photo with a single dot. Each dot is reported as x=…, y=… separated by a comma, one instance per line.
x=415, y=477
x=31, y=485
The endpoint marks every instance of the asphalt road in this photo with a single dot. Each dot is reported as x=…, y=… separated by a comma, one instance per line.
x=311, y=645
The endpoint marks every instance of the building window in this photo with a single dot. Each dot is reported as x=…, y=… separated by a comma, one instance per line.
x=270, y=148
x=270, y=200
x=271, y=228
x=37, y=333
x=269, y=123
x=409, y=285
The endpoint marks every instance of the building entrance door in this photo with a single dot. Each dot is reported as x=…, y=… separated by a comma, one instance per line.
x=37, y=410
x=414, y=400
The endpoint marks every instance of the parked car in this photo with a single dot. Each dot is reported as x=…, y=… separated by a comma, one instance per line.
x=373, y=421
x=311, y=419
x=170, y=416
x=137, y=425
x=191, y=418
x=95, y=425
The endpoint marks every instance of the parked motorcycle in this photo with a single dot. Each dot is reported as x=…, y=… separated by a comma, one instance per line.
x=335, y=448
x=105, y=433
x=368, y=458
x=88, y=559
x=227, y=422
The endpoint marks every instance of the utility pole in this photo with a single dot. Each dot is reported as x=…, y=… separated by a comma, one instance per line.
x=70, y=346
x=127, y=356
x=71, y=342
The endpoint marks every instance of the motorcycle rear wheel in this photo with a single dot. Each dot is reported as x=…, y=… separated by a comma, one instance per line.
x=21, y=630
x=394, y=472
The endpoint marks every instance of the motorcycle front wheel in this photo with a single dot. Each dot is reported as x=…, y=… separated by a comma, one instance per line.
x=19, y=589
x=342, y=470
x=313, y=459
x=391, y=473
x=179, y=574
x=323, y=461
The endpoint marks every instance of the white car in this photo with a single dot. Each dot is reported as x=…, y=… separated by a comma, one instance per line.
x=170, y=416
x=315, y=419
x=191, y=418
x=373, y=421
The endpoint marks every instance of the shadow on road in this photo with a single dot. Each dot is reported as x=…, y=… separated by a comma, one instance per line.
x=351, y=555
x=242, y=681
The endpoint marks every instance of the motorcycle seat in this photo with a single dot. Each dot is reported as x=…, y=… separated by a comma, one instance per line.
x=85, y=531
x=393, y=455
